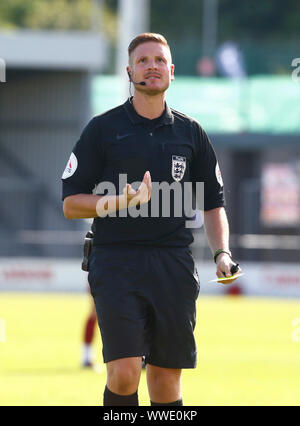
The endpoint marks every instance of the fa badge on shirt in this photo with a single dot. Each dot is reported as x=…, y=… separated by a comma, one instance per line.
x=178, y=167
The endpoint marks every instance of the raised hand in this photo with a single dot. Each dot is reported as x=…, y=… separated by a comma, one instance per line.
x=142, y=195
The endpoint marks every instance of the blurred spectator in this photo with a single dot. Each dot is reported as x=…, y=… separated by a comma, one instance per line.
x=206, y=67
x=230, y=61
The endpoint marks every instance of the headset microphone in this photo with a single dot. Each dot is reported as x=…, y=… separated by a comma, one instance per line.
x=142, y=83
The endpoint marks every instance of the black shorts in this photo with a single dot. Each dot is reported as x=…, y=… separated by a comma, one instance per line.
x=145, y=299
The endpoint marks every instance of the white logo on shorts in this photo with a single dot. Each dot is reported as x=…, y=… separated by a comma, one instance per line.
x=70, y=167
x=178, y=167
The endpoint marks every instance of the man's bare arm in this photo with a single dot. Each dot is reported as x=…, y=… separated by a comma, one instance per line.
x=217, y=228
x=217, y=232
x=81, y=206
x=85, y=206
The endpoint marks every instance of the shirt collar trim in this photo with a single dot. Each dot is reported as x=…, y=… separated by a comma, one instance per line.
x=166, y=117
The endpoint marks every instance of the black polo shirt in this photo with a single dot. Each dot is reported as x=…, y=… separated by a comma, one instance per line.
x=173, y=147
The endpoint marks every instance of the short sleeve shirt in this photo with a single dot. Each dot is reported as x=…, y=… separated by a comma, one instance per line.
x=119, y=146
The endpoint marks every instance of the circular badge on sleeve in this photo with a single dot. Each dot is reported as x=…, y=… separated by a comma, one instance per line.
x=70, y=167
x=218, y=175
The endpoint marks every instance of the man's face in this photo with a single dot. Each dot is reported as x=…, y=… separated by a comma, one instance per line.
x=151, y=62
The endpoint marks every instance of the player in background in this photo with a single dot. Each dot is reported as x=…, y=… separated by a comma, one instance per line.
x=87, y=357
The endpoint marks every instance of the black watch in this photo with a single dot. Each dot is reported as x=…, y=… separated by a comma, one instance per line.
x=219, y=251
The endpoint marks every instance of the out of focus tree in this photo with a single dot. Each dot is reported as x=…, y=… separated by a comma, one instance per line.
x=237, y=19
x=266, y=30
x=54, y=14
x=13, y=13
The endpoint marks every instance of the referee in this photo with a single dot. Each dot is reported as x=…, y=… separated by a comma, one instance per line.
x=142, y=275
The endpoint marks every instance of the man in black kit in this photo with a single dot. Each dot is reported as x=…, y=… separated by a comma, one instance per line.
x=142, y=275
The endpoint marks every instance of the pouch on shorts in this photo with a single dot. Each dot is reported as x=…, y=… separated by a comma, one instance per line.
x=87, y=247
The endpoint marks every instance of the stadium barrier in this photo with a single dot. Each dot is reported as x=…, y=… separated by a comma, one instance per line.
x=42, y=274
x=60, y=275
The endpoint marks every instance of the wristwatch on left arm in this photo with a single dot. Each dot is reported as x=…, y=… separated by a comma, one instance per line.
x=219, y=251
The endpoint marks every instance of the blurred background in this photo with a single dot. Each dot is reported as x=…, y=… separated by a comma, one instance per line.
x=63, y=61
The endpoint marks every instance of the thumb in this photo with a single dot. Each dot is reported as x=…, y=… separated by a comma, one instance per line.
x=128, y=189
x=146, y=177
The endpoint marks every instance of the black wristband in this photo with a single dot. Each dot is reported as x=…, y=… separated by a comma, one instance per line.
x=219, y=251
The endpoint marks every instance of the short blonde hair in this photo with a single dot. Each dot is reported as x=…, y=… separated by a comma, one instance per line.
x=145, y=38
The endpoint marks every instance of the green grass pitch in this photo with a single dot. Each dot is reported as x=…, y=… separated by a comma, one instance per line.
x=246, y=353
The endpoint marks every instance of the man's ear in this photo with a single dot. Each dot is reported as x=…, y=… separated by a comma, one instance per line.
x=128, y=72
x=172, y=72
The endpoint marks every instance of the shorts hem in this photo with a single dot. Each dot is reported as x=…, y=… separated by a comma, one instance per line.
x=121, y=356
x=175, y=365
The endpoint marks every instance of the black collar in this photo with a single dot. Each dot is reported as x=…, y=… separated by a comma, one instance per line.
x=166, y=117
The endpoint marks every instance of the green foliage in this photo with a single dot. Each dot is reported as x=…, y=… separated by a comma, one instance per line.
x=60, y=14
x=13, y=13
x=177, y=20
x=267, y=31
x=56, y=14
